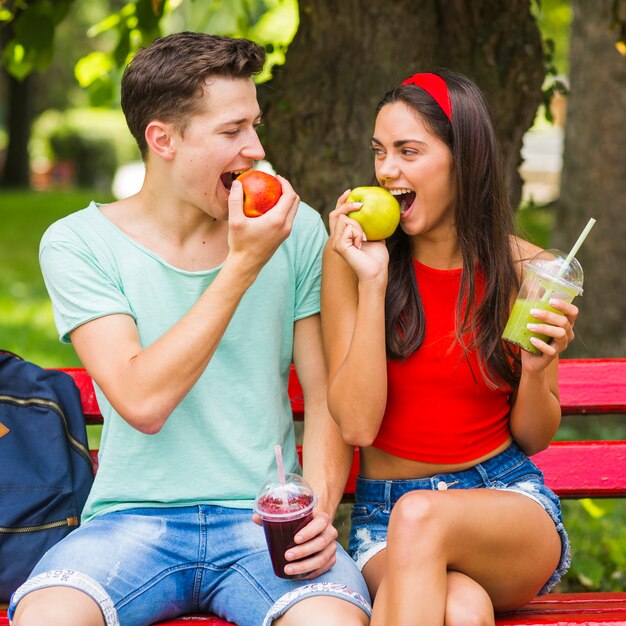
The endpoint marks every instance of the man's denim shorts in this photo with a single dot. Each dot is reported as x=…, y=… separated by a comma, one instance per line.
x=147, y=565
x=510, y=470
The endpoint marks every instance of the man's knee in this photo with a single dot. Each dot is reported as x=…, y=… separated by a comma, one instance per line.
x=57, y=606
x=327, y=610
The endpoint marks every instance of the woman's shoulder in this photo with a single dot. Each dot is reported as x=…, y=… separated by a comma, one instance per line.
x=523, y=250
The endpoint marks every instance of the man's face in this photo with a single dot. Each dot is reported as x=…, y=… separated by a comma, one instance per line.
x=218, y=143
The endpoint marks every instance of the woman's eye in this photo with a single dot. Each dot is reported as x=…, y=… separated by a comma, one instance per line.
x=376, y=150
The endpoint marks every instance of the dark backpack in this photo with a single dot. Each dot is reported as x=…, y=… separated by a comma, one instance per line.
x=45, y=467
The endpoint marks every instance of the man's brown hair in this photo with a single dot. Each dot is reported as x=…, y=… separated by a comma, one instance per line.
x=166, y=80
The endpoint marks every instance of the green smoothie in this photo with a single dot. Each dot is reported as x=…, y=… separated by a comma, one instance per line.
x=516, y=330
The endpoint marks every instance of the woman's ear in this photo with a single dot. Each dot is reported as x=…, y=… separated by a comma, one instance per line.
x=160, y=139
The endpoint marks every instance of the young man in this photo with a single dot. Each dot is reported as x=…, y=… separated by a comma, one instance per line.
x=187, y=315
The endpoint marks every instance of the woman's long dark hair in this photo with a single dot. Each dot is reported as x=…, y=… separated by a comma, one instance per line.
x=484, y=227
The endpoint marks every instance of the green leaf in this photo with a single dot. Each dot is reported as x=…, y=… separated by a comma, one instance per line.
x=34, y=29
x=104, y=25
x=278, y=25
x=122, y=50
x=92, y=67
x=60, y=9
x=101, y=91
x=18, y=61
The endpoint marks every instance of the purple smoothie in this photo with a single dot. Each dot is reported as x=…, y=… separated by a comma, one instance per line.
x=284, y=510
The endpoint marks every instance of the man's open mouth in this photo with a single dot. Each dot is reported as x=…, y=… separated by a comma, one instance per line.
x=227, y=178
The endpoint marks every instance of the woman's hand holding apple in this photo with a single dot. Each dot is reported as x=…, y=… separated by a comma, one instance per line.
x=368, y=259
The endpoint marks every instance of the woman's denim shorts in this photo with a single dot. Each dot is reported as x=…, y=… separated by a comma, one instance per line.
x=148, y=565
x=511, y=470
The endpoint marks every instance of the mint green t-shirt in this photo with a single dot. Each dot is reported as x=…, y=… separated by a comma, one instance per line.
x=217, y=447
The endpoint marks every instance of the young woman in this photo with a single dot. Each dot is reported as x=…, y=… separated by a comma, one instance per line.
x=452, y=519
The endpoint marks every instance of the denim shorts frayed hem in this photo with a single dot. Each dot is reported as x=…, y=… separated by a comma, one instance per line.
x=511, y=470
x=148, y=565
x=313, y=589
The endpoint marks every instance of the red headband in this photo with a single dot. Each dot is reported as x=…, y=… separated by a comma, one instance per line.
x=435, y=87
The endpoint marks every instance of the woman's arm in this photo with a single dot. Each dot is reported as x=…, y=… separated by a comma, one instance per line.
x=536, y=411
x=354, y=280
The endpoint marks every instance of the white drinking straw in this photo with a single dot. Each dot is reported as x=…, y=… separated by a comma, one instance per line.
x=576, y=247
x=579, y=242
x=281, y=474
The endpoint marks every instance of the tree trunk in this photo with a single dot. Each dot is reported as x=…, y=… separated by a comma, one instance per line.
x=593, y=182
x=19, y=120
x=347, y=53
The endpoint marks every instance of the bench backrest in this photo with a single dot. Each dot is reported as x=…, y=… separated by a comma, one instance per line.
x=573, y=469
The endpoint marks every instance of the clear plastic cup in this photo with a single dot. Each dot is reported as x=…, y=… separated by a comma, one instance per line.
x=284, y=509
x=547, y=275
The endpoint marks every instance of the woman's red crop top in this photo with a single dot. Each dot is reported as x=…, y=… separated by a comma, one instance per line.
x=438, y=409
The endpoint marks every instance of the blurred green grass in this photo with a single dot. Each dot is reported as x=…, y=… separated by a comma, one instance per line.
x=26, y=323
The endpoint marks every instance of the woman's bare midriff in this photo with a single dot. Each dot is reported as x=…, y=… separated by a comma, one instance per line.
x=380, y=465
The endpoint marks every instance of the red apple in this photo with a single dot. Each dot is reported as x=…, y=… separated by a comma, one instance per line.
x=260, y=192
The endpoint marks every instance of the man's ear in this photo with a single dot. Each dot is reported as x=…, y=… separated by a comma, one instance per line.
x=160, y=139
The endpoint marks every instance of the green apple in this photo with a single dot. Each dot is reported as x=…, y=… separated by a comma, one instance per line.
x=380, y=214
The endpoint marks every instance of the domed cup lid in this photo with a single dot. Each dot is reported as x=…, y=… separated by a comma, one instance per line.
x=278, y=501
x=553, y=264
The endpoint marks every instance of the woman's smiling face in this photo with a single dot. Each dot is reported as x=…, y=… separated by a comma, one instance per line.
x=417, y=167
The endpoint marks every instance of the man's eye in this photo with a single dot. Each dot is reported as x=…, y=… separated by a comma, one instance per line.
x=231, y=133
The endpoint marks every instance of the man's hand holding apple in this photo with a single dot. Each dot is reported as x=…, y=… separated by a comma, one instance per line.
x=253, y=240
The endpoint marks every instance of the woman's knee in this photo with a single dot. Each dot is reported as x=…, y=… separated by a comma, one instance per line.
x=470, y=616
x=414, y=518
x=467, y=603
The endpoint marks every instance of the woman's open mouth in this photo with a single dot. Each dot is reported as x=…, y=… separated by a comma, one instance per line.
x=405, y=198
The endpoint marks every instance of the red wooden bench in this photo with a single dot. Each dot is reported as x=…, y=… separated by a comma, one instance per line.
x=573, y=469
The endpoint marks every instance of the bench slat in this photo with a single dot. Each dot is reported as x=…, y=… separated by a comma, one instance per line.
x=592, y=385
x=585, y=386
x=580, y=469
x=570, y=608
x=585, y=469
x=573, y=469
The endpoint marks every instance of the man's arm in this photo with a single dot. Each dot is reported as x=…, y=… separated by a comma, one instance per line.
x=327, y=458
x=145, y=385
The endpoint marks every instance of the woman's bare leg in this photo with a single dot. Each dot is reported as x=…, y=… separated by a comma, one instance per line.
x=467, y=603
x=504, y=541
